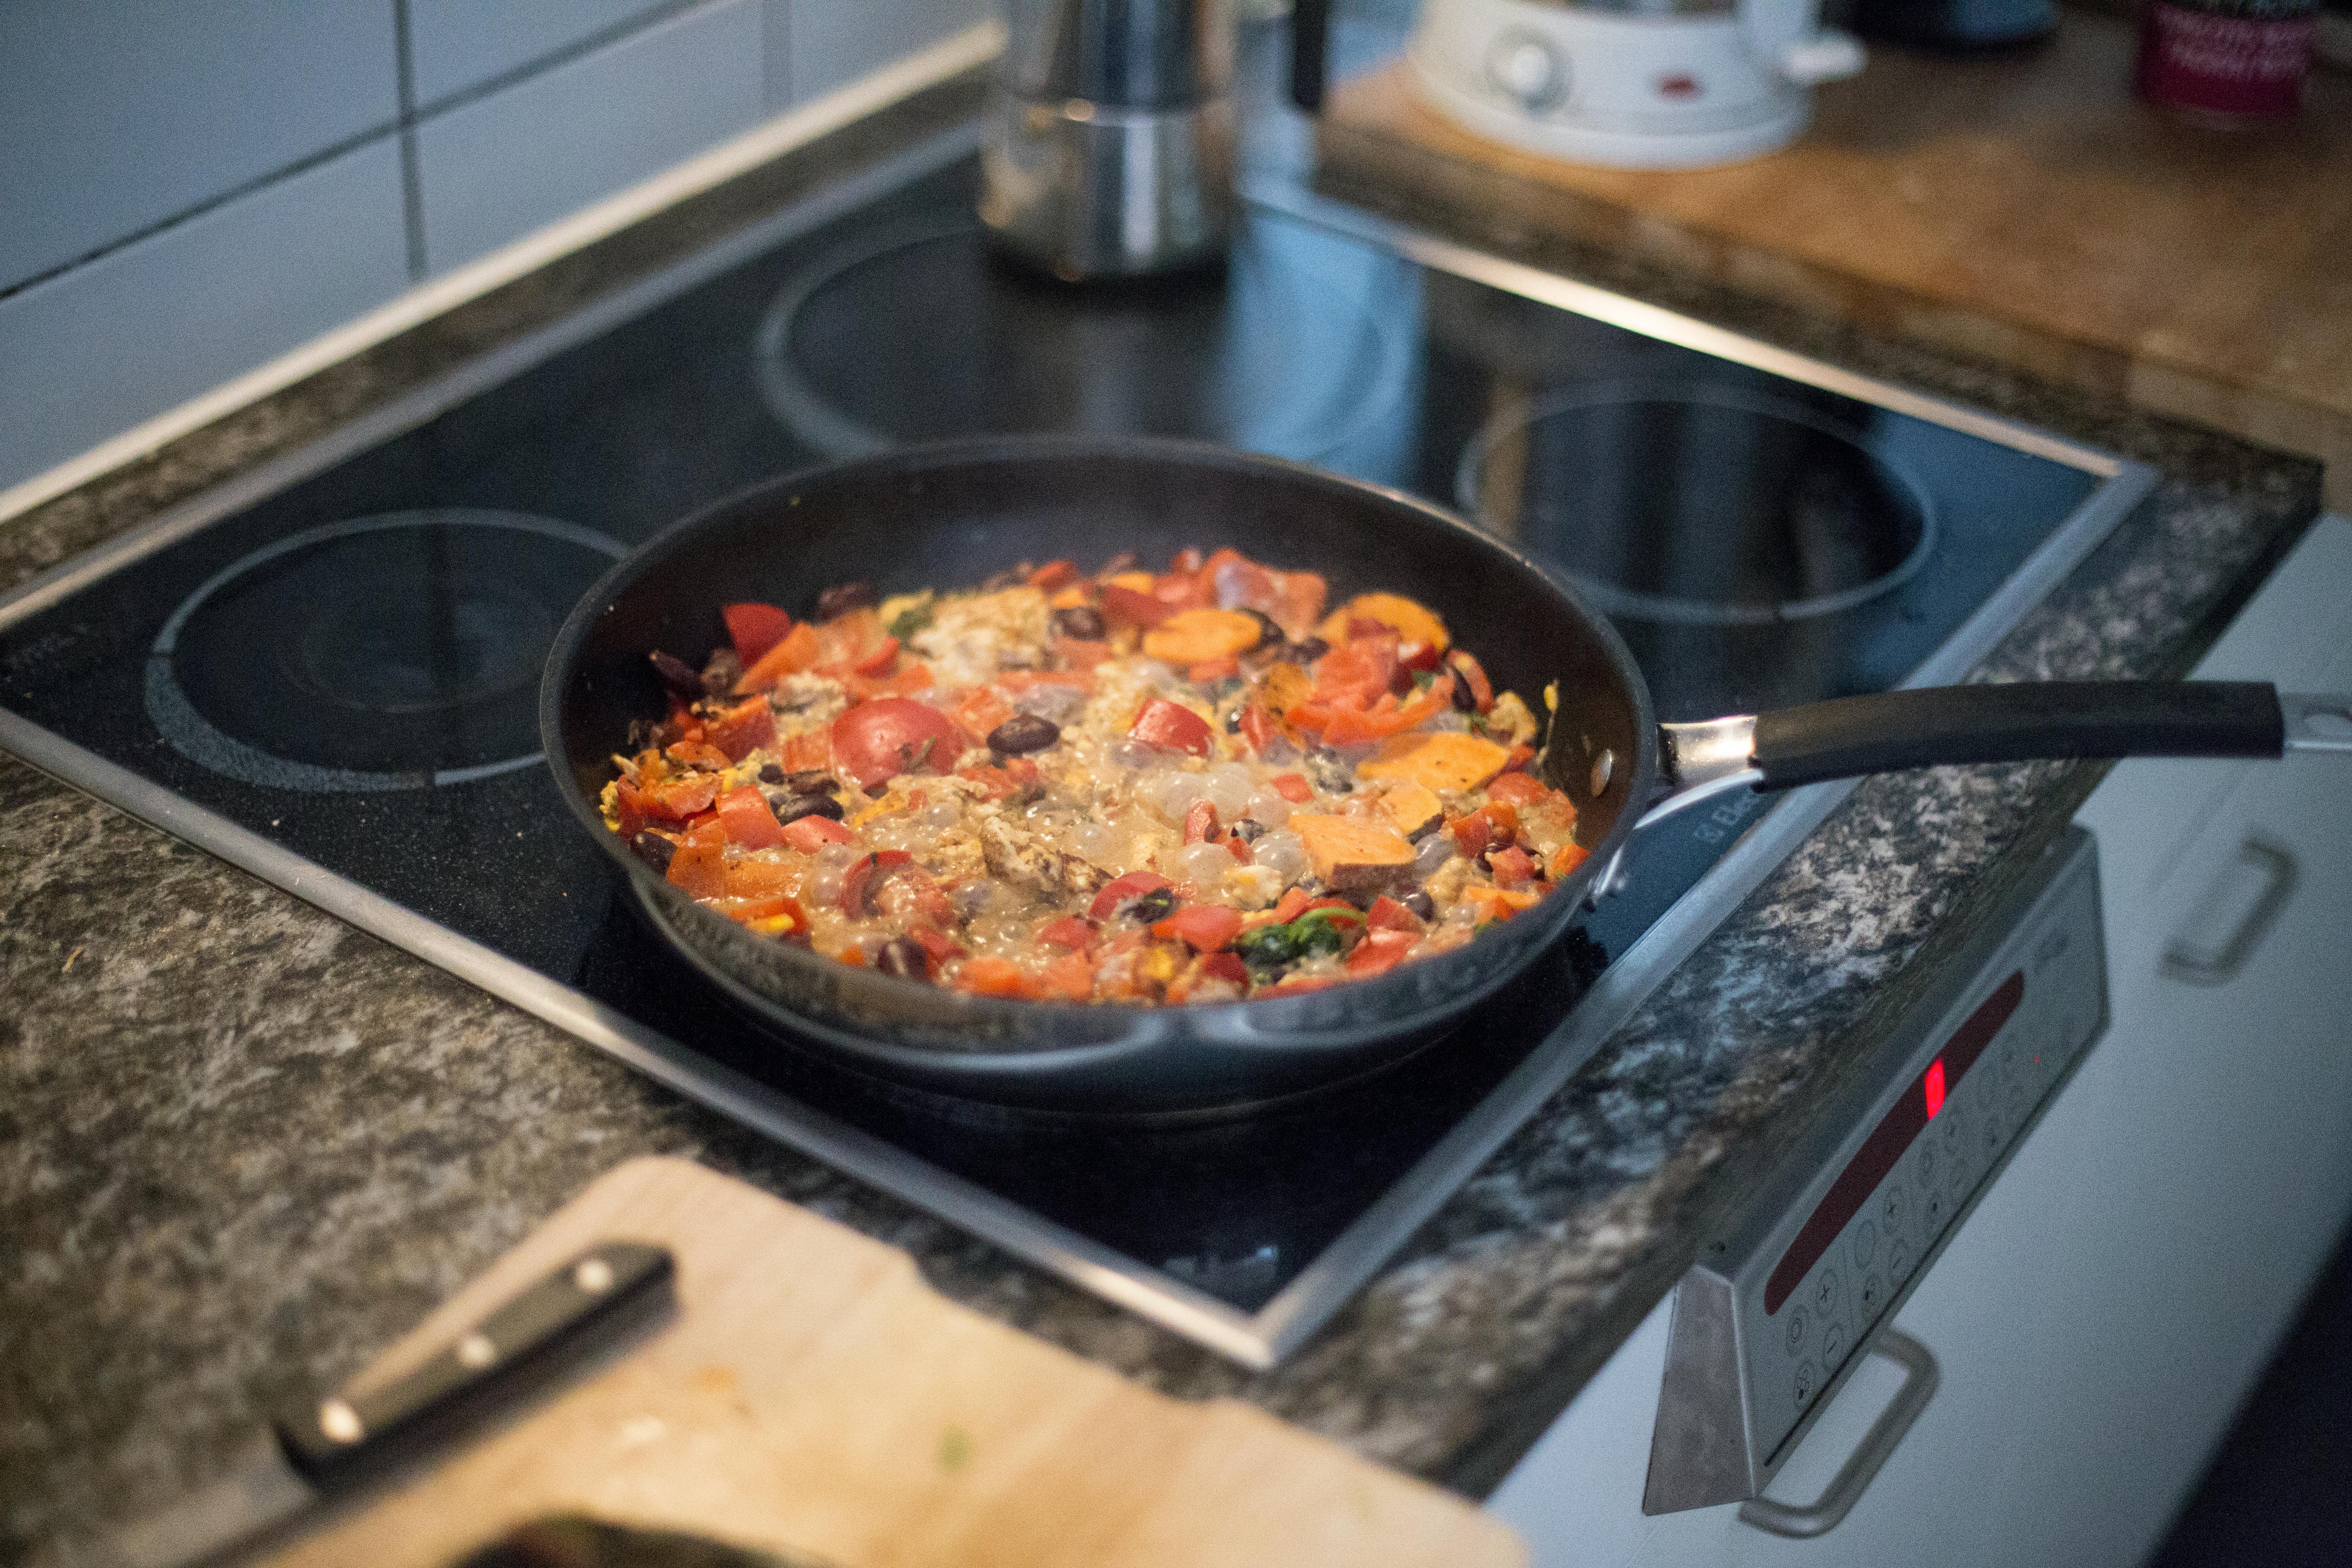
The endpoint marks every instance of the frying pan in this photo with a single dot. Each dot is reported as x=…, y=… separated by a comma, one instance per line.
x=954, y=513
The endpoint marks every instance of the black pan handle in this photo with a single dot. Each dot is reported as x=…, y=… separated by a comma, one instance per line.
x=2015, y=722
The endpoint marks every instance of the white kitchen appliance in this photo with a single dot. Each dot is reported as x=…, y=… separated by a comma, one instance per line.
x=1633, y=84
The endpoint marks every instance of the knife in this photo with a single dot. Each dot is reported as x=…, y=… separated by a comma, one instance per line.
x=313, y=1451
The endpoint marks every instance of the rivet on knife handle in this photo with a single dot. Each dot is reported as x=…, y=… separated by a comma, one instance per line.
x=335, y=1433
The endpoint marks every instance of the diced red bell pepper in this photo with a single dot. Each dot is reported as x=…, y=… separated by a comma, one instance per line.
x=743, y=729
x=810, y=834
x=1516, y=789
x=1122, y=889
x=748, y=822
x=879, y=662
x=1226, y=967
x=1053, y=575
x=629, y=811
x=1238, y=848
x=1566, y=859
x=1069, y=978
x=1290, y=905
x=697, y=752
x=699, y=864
x=809, y=752
x=1520, y=757
x=754, y=629
x=1210, y=670
x=936, y=949
x=1344, y=726
x=1207, y=927
x=1293, y=787
x=892, y=735
x=1379, y=952
x=1418, y=656
x=1069, y=931
x=1135, y=607
x=1512, y=866
x=1257, y=728
x=675, y=800
x=799, y=650
x=857, y=884
x=1172, y=727
x=1081, y=653
x=1387, y=914
x=1200, y=822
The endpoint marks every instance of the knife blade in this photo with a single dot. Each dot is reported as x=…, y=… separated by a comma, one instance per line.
x=315, y=1449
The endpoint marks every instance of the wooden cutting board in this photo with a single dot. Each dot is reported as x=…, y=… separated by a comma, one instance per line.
x=2026, y=210
x=811, y=1396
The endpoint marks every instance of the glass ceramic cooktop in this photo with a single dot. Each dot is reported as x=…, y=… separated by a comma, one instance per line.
x=340, y=677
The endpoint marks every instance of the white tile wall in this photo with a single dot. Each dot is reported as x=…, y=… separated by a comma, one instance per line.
x=502, y=166
x=114, y=116
x=460, y=44
x=97, y=349
x=833, y=42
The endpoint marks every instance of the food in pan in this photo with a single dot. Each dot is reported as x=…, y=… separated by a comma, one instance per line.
x=1193, y=785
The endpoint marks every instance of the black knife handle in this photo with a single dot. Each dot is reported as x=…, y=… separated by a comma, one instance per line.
x=339, y=1433
x=2017, y=721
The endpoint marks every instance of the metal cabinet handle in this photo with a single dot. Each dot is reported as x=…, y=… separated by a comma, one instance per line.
x=1845, y=1489
x=2229, y=920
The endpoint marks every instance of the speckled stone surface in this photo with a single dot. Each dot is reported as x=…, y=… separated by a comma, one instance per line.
x=242, y=1145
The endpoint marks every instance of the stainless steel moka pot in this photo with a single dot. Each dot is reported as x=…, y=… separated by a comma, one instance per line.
x=1110, y=140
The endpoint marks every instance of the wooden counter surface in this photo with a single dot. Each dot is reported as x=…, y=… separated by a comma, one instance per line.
x=2025, y=209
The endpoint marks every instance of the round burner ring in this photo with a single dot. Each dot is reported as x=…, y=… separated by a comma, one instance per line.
x=1038, y=355
x=1916, y=527
x=196, y=737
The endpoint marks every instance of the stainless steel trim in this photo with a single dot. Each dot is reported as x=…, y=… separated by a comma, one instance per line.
x=1803, y=1521
x=1149, y=1294
x=1253, y=1340
x=1706, y=751
x=501, y=363
x=1284, y=195
x=1722, y=783
x=2316, y=721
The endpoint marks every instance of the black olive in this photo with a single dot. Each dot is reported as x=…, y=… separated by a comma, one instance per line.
x=1249, y=829
x=771, y=774
x=721, y=672
x=1464, y=700
x=677, y=674
x=1155, y=905
x=844, y=597
x=654, y=849
x=904, y=957
x=790, y=808
x=1023, y=734
x=1308, y=652
x=1421, y=904
x=1080, y=621
x=1267, y=632
x=811, y=781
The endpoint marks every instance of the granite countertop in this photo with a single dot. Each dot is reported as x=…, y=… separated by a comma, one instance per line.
x=242, y=1145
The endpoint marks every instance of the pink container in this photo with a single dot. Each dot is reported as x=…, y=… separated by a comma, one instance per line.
x=2234, y=59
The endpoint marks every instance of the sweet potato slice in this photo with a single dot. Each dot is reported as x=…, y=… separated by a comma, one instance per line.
x=1198, y=637
x=1443, y=762
x=1414, y=622
x=1350, y=853
x=1411, y=809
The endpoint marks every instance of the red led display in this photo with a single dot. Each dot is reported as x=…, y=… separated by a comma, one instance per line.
x=1890, y=1138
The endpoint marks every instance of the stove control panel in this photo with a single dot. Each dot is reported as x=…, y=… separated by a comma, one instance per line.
x=1774, y=1315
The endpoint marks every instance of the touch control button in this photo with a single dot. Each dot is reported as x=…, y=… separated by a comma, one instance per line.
x=1833, y=1343
x=1825, y=1294
x=1891, y=1211
x=1874, y=1293
x=1865, y=1242
x=1898, y=1259
x=1808, y=1383
x=1796, y=1330
x=1926, y=1164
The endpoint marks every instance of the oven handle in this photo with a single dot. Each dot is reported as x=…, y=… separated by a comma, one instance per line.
x=1804, y=1520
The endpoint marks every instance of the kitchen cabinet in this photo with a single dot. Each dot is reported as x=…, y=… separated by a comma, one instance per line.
x=2127, y=1276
